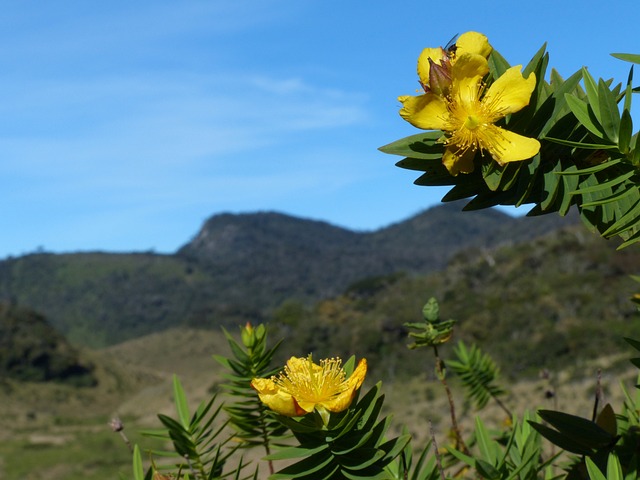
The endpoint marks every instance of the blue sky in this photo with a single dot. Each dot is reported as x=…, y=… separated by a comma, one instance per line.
x=124, y=125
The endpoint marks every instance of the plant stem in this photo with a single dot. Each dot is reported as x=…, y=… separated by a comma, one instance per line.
x=452, y=409
x=503, y=406
x=437, y=453
x=265, y=437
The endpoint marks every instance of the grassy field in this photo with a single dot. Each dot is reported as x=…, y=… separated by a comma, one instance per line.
x=57, y=432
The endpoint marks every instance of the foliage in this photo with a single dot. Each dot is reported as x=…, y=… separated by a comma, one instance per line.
x=478, y=373
x=352, y=446
x=588, y=158
x=32, y=350
x=432, y=331
x=197, y=453
x=247, y=415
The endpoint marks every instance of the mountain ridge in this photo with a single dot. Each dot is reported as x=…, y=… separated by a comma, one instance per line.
x=240, y=267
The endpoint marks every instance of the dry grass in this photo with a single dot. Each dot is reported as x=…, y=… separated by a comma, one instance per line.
x=57, y=432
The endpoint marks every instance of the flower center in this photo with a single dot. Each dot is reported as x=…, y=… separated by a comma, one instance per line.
x=472, y=122
x=310, y=382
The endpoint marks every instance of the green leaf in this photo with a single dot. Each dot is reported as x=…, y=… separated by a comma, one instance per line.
x=486, y=470
x=296, y=452
x=582, y=112
x=577, y=428
x=308, y=467
x=560, y=440
x=586, y=146
x=138, y=470
x=594, y=471
x=181, y=403
x=497, y=64
x=626, y=131
x=485, y=443
x=594, y=169
x=634, y=343
x=591, y=87
x=558, y=100
x=627, y=57
x=361, y=458
x=422, y=145
x=593, y=185
x=419, y=164
x=609, y=113
x=614, y=469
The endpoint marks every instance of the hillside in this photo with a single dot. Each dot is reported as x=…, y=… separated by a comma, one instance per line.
x=239, y=268
x=557, y=301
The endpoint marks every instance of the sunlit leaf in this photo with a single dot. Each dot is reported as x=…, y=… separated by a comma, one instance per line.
x=581, y=110
x=609, y=113
x=627, y=57
x=591, y=88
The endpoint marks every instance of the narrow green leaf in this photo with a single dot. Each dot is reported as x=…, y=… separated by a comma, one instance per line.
x=628, y=90
x=497, y=64
x=591, y=87
x=308, y=466
x=561, y=88
x=296, y=452
x=138, y=470
x=367, y=474
x=586, y=146
x=361, y=458
x=635, y=238
x=552, y=185
x=577, y=428
x=181, y=403
x=624, y=222
x=596, y=186
x=609, y=113
x=616, y=197
x=627, y=57
x=634, y=343
x=485, y=443
x=421, y=145
x=486, y=470
x=560, y=440
x=581, y=111
x=421, y=164
x=626, y=132
x=594, y=471
x=587, y=171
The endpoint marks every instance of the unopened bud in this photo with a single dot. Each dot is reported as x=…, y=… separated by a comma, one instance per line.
x=440, y=77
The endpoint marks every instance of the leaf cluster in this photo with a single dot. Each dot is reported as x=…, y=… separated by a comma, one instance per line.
x=198, y=440
x=477, y=372
x=247, y=414
x=589, y=154
x=352, y=446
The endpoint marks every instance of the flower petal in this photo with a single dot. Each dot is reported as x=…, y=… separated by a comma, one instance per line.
x=275, y=398
x=343, y=400
x=466, y=75
x=457, y=161
x=473, y=42
x=509, y=93
x=437, y=55
x=505, y=146
x=428, y=111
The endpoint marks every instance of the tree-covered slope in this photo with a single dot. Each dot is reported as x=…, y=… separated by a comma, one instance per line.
x=555, y=301
x=239, y=268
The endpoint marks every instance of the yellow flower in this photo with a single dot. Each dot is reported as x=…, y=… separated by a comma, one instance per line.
x=473, y=42
x=434, y=64
x=467, y=115
x=305, y=386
